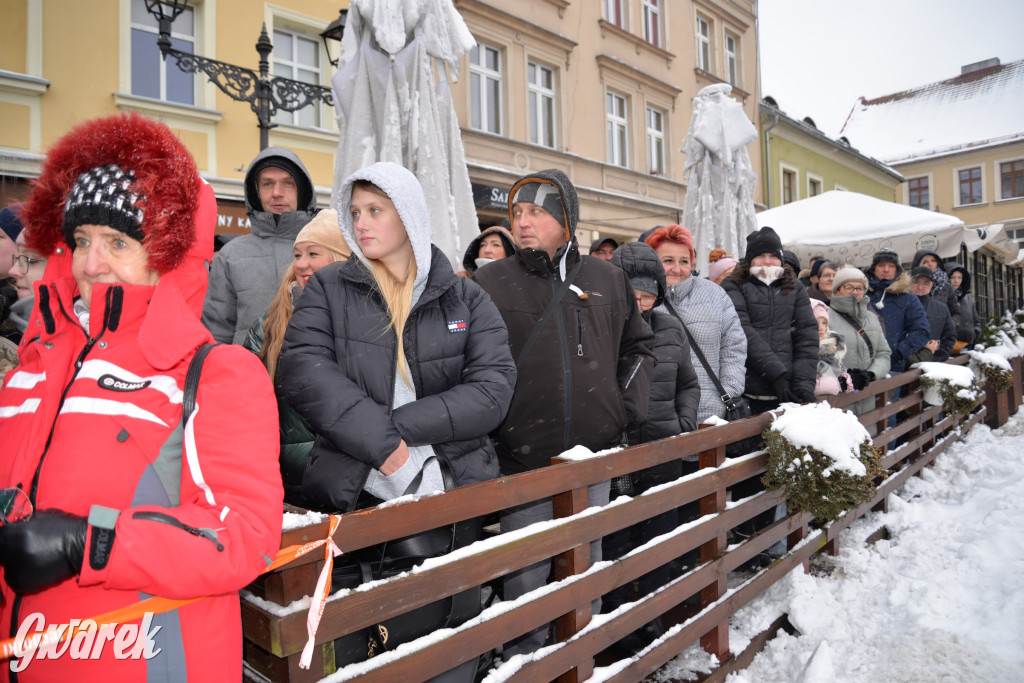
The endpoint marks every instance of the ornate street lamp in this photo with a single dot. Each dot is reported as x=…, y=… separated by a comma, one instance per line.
x=334, y=31
x=265, y=95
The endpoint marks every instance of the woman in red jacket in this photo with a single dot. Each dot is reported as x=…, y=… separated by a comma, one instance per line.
x=129, y=499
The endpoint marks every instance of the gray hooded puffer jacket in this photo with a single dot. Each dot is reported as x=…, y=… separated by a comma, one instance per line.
x=246, y=273
x=968, y=327
x=675, y=392
x=943, y=290
x=338, y=364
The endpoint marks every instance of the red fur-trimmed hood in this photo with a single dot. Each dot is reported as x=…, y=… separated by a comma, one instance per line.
x=166, y=181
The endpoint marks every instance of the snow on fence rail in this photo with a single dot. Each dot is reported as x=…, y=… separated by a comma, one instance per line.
x=274, y=608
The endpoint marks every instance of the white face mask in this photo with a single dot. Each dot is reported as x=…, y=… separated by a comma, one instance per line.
x=767, y=274
x=481, y=261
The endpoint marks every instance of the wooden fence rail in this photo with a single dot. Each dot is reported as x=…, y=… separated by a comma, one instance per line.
x=274, y=613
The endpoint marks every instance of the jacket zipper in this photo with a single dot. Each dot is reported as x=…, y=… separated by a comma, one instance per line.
x=33, y=490
x=579, y=333
x=566, y=372
x=164, y=518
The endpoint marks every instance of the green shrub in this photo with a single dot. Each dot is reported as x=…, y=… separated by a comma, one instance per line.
x=810, y=481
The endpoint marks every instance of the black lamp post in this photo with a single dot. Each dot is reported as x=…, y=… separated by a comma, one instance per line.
x=334, y=31
x=265, y=95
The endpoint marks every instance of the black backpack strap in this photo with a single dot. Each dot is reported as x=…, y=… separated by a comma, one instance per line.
x=726, y=398
x=195, y=368
x=860, y=330
x=556, y=299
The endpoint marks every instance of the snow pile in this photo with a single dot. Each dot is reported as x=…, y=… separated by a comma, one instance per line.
x=834, y=432
x=957, y=375
x=937, y=601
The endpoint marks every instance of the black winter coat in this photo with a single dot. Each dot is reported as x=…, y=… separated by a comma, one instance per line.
x=942, y=328
x=782, y=334
x=675, y=390
x=968, y=327
x=589, y=374
x=942, y=289
x=338, y=365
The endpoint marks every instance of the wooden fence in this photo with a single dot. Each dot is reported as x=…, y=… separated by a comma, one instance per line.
x=275, y=628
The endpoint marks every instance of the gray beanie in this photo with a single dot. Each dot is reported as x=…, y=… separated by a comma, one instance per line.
x=847, y=274
x=644, y=284
x=545, y=195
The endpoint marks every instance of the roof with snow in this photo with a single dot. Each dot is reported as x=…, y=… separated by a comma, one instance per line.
x=981, y=108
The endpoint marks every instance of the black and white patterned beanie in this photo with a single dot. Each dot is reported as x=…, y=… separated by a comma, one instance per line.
x=545, y=195
x=103, y=196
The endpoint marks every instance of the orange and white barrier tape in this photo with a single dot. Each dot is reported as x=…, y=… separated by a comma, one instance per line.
x=20, y=647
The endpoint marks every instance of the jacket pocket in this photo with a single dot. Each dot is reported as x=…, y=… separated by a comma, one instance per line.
x=163, y=518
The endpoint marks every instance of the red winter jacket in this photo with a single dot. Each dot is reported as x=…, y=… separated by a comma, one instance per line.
x=95, y=420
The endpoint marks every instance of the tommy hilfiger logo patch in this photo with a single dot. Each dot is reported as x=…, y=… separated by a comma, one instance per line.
x=456, y=326
x=117, y=384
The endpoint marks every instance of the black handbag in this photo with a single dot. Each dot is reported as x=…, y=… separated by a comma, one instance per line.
x=400, y=555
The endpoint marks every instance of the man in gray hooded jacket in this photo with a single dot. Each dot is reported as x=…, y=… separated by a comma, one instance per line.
x=245, y=275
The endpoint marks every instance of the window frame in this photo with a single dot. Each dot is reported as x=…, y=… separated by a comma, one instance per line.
x=998, y=165
x=704, y=44
x=619, y=8
x=815, y=178
x=656, y=137
x=537, y=94
x=652, y=21
x=784, y=171
x=617, y=124
x=480, y=74
x=165, y=65
x=910, y=191
x=293, y=118
x=957, y=189
x=732, y=58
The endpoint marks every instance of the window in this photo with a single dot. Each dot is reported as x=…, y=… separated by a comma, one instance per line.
x=917, y=191
x=703, y=44
x=151, y=75
x=614, y=12
x=970, y=185
x=618, y=127
x=788, y=186
x=297, y=57
x=656, y=140
x=732, y=69
x=652, y=21
x=485, y=88
x=542, y=104
x=813, y=187
x=1011, y=179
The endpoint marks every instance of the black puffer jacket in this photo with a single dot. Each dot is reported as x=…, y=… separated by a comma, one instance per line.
x=675, y=391
x=968, y=328
x=589, y=374
x=338, y=365
x=782, y=334
x=943, y=290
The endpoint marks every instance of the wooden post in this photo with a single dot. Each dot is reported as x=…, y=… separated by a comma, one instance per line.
x=571, y=562
x=715, y=641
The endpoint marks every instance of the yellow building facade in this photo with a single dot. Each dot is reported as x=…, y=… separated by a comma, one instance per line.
x=598, y=88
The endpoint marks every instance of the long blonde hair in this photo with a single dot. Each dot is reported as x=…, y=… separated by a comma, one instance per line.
x=397, y=295
x=324, y=231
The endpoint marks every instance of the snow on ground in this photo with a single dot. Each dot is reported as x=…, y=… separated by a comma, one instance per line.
x=940, y=600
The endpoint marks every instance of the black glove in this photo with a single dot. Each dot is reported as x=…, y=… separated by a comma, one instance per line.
x=782, y=390
x=861, y=378
x=842, y=383
x=43, y=551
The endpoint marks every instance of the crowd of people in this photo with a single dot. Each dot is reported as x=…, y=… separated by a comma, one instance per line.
x=350, y=364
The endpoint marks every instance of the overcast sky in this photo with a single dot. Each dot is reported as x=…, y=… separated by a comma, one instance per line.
x=819, y=56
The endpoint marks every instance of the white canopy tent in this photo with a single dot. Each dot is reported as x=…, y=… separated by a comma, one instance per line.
x=848, y=227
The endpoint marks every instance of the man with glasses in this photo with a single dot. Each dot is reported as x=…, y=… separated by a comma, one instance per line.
x=13, y=312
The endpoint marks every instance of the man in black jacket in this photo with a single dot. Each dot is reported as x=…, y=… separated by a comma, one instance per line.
x=588, y=374
x=940, y=321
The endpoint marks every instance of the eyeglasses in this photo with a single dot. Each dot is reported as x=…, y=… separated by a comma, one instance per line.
x=15, y=506
x=646, y=298
x=853, y=289
x=23, y=262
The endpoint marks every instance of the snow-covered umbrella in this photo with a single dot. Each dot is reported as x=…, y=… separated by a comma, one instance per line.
x=394, y=103
x=719, y=207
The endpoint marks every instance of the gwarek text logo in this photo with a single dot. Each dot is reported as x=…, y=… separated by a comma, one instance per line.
x=82, y=639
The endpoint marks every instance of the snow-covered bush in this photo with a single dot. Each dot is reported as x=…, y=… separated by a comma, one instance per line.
x=994, y=365
x=822, y=458
x=956, y=388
